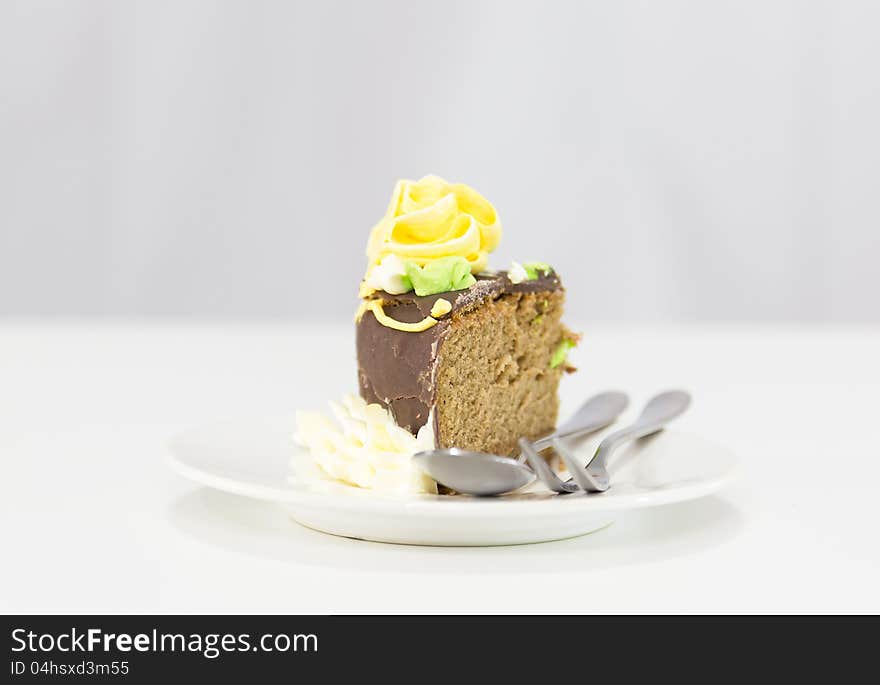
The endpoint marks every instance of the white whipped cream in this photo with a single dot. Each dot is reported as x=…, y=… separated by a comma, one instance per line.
x=389, y=275
x=366, y=447
x=517, y=273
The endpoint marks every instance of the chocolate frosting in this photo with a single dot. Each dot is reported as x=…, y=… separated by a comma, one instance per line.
x=397, y=368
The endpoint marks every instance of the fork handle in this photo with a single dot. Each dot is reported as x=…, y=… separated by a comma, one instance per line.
x=659, y=411
x=597, y=412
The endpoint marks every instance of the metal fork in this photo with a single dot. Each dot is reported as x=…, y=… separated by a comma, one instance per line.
x=594, y=477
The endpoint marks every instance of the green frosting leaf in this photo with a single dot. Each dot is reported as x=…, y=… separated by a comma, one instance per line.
x=440, y=275
x=532, y=269
x=561, y=352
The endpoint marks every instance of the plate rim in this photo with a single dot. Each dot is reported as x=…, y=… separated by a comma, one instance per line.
x=356, y=499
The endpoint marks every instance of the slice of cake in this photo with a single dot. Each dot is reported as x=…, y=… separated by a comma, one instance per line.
x=476, y=356
x=450, y=354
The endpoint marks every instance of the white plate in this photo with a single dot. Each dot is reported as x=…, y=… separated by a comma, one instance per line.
x=259, y=459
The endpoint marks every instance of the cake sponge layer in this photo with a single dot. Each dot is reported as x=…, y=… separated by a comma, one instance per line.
x=494, y=381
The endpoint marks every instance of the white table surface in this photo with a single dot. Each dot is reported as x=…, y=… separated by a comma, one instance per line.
x=93, y=520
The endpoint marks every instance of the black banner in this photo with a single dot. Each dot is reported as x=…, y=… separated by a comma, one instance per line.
x=144, y=649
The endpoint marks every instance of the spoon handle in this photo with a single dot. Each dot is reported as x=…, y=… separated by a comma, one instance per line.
x=659, y=411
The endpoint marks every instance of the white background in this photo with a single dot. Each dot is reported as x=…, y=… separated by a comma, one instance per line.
x=674, y=160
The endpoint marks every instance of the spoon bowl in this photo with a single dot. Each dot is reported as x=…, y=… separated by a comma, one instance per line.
x=474, y=473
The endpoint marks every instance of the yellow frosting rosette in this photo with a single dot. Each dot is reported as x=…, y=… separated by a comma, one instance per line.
x=431, y=218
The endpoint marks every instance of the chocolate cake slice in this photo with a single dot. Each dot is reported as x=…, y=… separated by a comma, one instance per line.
x=484, y=369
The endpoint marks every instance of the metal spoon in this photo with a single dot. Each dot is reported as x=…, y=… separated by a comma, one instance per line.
x=659, y=411
x=477, y=473
x=474, y=473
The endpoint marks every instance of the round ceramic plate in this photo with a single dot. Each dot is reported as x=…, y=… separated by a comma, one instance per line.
x=259, y=459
